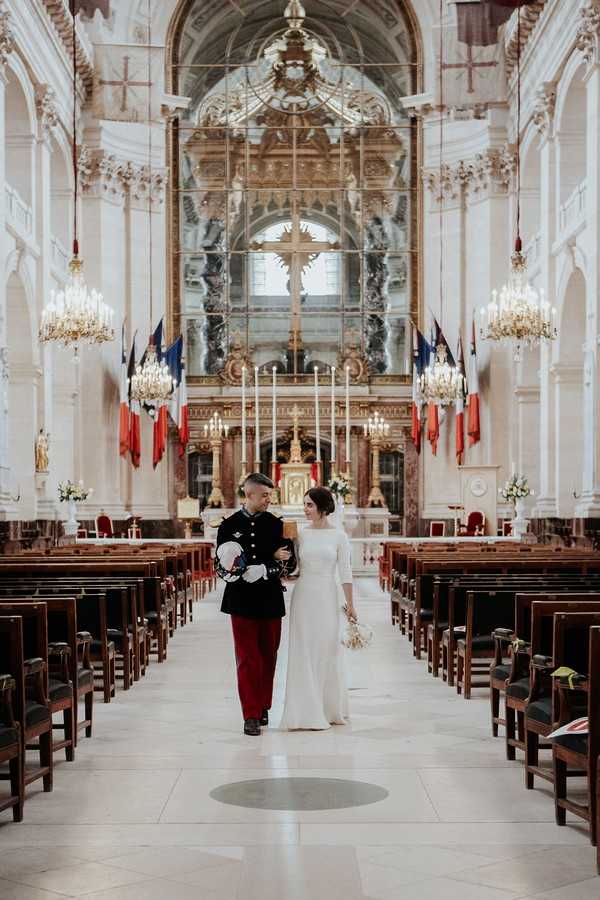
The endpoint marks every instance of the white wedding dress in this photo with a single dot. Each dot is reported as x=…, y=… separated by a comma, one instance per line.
x=316, y=696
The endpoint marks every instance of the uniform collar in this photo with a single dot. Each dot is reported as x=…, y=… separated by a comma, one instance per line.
x=250, y=515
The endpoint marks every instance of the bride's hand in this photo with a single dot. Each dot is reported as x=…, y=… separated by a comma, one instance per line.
x=351, y=613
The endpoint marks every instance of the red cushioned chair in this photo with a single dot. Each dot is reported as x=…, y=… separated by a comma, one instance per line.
x=475, y=524
x=104, y=526
x=437, y=529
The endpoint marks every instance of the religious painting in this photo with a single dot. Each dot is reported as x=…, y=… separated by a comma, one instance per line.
x=297, y=187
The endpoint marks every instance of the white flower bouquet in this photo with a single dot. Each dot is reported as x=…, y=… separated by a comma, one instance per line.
x=68, y=490
x=516, y=488
x=357, y=635
x=339, y=485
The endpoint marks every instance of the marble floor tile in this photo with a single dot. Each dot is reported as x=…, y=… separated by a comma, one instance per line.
x=133, y=819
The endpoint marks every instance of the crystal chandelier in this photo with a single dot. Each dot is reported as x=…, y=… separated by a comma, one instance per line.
x=152, y=381
x=441, y=382
x=519, y=314
x=75, y=314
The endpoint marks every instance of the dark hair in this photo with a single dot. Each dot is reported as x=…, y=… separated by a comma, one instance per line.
x=323, y=500
x=258, y=478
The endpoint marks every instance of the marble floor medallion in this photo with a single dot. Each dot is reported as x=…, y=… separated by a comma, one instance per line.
x=299, y=793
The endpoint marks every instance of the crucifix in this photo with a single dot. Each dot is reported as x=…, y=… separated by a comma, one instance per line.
x=125, y=83
x=296, y=250
x=471, y=65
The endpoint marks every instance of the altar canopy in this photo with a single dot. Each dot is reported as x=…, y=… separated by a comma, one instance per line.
x=297, y=170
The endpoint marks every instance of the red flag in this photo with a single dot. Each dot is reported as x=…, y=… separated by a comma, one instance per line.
x=135, y=439
x=124, y=400
x=460, y=408
x=159, y=432
x=183, y=423
x=473, y=422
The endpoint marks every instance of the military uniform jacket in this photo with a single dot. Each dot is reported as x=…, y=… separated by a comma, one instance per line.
x=260, y=536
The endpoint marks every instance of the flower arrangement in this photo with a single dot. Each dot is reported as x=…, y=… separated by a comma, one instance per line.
x=339, y=485
x=68, y=490
x=357, y=635
x=516, y=488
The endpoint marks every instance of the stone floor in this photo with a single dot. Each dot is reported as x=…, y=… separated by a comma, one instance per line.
x=133, y=818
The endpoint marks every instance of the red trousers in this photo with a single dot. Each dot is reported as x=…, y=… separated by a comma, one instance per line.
x=256, y=643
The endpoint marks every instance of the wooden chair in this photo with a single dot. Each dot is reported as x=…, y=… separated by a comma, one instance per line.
x=579, y=753
x=10, y=749
x=485, y=611
x=30, y=705
x=58, y=687
x=475, y=524
x=437, y=528
x=104, y=526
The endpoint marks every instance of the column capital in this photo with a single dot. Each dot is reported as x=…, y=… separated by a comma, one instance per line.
x=104, y=174
x=45, y=102
x=485, y=172
x=588, y=33
x=543, y=109
x=7, y=38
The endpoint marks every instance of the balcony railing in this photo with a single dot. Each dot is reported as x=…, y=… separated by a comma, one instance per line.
x=18, y=213
x=60, y=257
x=572, y=211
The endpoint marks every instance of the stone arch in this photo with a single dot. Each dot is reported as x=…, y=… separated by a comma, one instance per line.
x=21, y=127
x=570, y=129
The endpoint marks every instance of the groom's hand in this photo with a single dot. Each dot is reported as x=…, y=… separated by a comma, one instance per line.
x=282, y=555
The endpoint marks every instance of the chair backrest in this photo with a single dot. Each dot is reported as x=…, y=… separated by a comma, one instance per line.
x=506, y=527
x=437, y=529
x=104, y=525
x=475, y=519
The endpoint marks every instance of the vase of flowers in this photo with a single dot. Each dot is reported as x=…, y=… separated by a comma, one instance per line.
x=515, y=491
x=70, y=493
x=339, y=485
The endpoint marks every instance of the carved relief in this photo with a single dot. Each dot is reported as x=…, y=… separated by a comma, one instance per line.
x=46, y=108
x=588, y=32
x=543, y=110
x=7, y=41
x=105, y=174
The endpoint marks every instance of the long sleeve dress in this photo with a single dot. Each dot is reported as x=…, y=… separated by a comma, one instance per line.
x=316, y=696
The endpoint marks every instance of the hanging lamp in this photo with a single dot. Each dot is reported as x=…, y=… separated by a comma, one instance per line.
x=152, y=381
x=518, y=314
x=441, y=382
x=75, y=314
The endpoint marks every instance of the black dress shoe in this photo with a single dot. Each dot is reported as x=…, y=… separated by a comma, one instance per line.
x=252, y=727
x=264, y=719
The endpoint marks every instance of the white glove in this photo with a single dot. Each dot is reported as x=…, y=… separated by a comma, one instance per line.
x=228, y=554
x=255, y=573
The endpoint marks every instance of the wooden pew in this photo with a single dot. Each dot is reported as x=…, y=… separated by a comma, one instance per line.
x=10, y=748
x=578, y=753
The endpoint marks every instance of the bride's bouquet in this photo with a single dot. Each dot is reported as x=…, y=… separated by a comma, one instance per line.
x=357, y=635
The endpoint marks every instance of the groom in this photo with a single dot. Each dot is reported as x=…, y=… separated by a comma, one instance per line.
x=255, y=600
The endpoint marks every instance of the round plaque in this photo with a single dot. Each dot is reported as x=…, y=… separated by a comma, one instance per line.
x=478, y=486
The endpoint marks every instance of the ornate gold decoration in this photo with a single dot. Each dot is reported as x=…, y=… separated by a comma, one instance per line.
x=236, y=359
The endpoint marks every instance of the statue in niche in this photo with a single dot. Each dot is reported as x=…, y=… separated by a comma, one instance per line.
x=213, y=276
x=42, y=447
x=376, y=295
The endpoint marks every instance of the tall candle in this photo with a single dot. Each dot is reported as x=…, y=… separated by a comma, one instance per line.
x=348, y=418
x=244, y=457
x=256, y=422
x=317, y=415
x=274, y=444
x=333, y=452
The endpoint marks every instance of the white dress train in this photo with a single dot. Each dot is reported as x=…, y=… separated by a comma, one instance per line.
x=316, y=696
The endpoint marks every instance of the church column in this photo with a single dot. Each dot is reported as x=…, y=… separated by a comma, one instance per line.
x=589, y=44
x=545, y=505
x=567, y=398
x=411, y=486
x=6, y=47
x=363, y=485
x=47, y=120
x=228, y=472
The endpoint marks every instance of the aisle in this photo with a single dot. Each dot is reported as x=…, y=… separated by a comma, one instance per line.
x=133, y=818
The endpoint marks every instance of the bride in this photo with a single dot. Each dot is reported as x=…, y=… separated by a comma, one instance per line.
x=316, y=695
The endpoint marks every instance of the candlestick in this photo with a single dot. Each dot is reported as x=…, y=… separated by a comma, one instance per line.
x=274, y=426
x=317, y=415
x=244, y=453
x=256, y=423
x=333, y=448
x=347, y=418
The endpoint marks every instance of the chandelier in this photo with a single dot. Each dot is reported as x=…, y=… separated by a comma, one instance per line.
x=376, y=428
x=152, y=381
x=75, y=314
x=441, y=382
x=519, y=314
